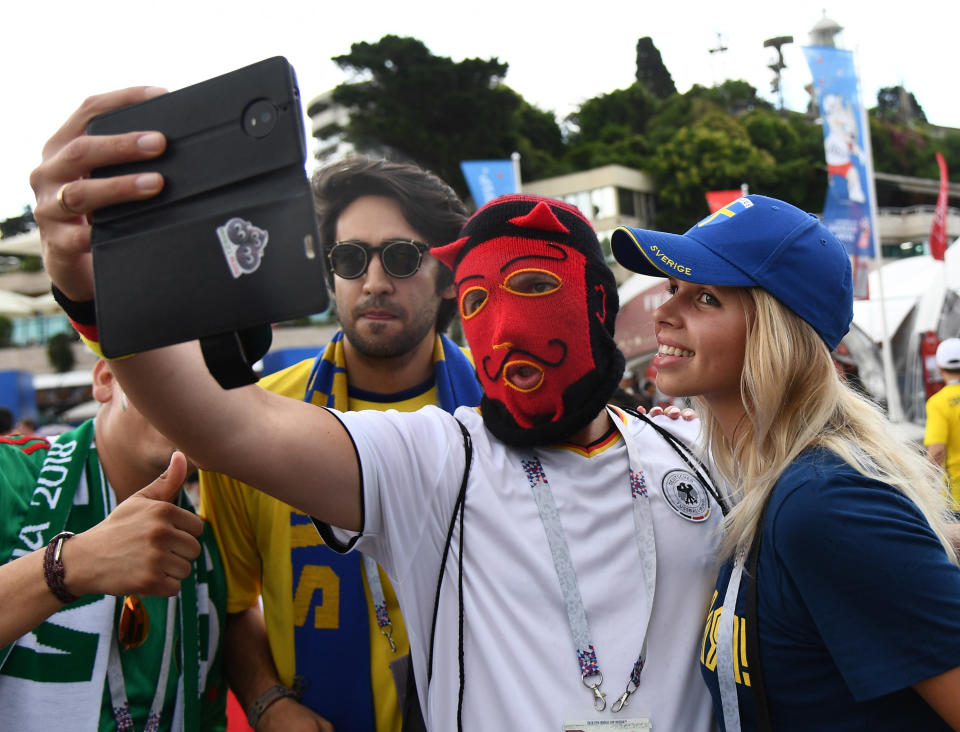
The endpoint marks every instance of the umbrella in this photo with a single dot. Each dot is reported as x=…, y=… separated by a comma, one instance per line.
x=13, y=304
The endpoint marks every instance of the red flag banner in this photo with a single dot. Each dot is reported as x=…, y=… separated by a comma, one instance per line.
x=718, y=199
x=938, y=230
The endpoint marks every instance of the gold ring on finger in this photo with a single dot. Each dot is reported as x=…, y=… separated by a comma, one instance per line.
x=63, y=204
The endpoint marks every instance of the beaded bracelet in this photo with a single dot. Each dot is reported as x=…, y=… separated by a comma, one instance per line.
x=263, y=702
x=53, y=568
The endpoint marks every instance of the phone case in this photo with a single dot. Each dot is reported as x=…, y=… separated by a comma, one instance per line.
x=231, y=242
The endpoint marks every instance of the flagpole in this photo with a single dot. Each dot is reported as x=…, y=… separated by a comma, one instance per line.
x=894, y=404
x=515, y=158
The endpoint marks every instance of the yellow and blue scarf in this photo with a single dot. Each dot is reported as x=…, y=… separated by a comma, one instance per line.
x=454, y=376
x=333, y=655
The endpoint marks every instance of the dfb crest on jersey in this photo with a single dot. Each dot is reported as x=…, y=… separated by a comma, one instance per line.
x=686, y=495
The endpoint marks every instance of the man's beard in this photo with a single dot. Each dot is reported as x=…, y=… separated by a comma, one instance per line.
x=582, y=401
x=372, y=342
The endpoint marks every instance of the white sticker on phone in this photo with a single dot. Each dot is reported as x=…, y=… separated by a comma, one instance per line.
x=243, y=245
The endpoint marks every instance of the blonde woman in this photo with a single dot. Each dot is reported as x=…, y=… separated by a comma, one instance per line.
x=838, y=603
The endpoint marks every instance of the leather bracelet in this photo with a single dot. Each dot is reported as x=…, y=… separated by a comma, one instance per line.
x=53, y=568
x=263, y=702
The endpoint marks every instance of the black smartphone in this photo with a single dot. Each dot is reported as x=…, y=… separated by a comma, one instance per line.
x=231, y=242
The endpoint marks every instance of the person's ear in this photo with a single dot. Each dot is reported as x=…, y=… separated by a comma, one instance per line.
x=103, y=382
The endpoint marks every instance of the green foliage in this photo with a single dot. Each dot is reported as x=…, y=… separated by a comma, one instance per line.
x=618, y=145
x=732, y=96
x=436, y=111
x=651, y=72
x=6, y=331
x=897, y=105
x=949, y=145
x=30, y=264
x=714, y=153
x=797, y=147
x=772, y=133
x=539, y=142
x=430, y=109
x=18, y=224
x=60, y=352
x=911, y=150
x=674, y=114
x=629, y=109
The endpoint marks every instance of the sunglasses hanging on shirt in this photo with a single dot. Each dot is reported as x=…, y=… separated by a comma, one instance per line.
x=134, y=625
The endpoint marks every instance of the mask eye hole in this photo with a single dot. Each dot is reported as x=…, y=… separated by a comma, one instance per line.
x=472, y=301
x=532, y=282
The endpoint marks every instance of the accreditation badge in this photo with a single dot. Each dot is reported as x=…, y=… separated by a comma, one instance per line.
x=641, y=724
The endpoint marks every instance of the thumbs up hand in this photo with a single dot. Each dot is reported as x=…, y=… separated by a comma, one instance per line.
x=144, y=547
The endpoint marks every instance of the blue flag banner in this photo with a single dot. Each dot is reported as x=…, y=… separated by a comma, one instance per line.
x=847, y=211
x=488, y=179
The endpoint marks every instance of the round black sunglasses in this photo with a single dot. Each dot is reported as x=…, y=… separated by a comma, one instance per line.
x=401, y=258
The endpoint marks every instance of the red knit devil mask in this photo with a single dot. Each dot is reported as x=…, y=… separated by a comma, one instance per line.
x=538, y=305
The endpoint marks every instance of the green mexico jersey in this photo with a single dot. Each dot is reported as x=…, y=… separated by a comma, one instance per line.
x=57, y=485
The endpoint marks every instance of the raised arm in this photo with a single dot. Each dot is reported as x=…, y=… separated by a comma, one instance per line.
x=298, y=453
x=287, y=448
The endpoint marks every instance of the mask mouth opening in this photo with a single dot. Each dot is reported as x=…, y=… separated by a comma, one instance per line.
x=525, y=376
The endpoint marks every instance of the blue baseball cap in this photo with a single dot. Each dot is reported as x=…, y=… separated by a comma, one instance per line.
x=755, y=241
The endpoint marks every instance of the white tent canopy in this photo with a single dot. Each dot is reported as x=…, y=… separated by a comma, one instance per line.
x=907, y=283
x=27, y=244
x=14, y=305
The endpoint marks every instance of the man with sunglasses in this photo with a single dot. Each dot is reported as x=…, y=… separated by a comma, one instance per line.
x=114, y=596
x=377, y=222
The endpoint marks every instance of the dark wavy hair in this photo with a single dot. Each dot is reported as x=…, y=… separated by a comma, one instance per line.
x=428, y=204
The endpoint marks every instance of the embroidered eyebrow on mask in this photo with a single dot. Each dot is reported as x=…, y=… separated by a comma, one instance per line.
x=467, y=278
x=562, y=255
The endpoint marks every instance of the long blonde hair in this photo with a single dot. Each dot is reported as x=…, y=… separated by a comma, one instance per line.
x=795, y=399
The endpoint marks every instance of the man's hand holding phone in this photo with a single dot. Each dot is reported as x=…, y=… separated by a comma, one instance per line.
x=66, y=193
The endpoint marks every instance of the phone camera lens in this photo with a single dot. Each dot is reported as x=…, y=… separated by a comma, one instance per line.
x=259, y=118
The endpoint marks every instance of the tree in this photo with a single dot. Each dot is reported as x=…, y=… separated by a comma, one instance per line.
x=901, y=149
x=435, y=111
x=6, y=331
x=734, y=96
x=799, y=175
x=896, y=104
x=714, y=153
x=651, y=72
x=538, y=139
x=18, y=224
x=617, y=145
x=629, y=108
x=60, y=352
x=949, y=145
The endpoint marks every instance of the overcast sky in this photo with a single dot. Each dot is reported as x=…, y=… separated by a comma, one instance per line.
x=54, y=53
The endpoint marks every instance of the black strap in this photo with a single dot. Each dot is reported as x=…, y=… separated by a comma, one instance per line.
x=84, y=313
x=757, y=685
x=687, y=455
x=230, y=356
x=458, y=509
x=412, y=715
